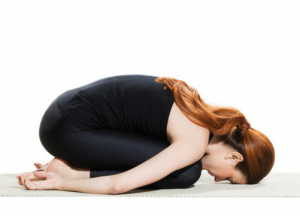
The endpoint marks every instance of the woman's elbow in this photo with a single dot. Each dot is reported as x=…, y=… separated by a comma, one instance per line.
x=117, y=186
x=116, y=189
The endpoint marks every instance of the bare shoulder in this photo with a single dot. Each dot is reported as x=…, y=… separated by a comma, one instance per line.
x=179, y=126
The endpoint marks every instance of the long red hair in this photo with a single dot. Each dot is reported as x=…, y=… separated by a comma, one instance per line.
x=230, y=126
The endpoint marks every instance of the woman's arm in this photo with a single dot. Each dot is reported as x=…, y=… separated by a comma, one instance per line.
x=178, y=155
x=184, y=151
x=96, y=185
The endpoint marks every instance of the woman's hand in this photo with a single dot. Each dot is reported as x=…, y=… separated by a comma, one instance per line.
x=51, y=181
x=28, y=175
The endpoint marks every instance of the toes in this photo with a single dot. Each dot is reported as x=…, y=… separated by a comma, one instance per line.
x=38, y=165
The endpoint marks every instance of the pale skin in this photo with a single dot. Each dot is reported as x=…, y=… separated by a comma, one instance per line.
x=188, y=143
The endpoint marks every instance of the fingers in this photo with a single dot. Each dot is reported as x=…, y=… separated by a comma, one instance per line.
x=33, y=185
x=22, y=176
x=35, y=176
x=26, y=184
x=37, y=185
x=19, y=180
x=29, y=184
x=22, y=179
x=40, y=174
x=25, y=181
x=28, y=175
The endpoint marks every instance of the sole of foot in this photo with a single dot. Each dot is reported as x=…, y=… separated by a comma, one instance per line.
x=62, y=167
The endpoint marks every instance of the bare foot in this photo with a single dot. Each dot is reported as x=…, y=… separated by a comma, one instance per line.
x=56, y=165
x=60, y=166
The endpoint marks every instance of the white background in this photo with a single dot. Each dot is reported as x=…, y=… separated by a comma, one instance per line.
x=243, y=54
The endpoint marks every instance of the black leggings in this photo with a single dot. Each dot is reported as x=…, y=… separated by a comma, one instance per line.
x=108, y=151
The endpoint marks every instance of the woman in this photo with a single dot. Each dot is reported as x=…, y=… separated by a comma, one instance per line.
x=136, y=131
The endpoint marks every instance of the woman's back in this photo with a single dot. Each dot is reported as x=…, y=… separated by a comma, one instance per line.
x=125, y=102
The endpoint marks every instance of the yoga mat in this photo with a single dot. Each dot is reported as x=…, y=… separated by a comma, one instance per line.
x=274, y=185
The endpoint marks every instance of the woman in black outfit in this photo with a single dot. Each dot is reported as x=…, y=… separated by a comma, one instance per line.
x=115, y=124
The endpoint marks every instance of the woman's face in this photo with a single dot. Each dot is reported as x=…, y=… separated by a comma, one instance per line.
x=220, y=162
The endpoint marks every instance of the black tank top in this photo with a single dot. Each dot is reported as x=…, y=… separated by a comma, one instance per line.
x=125, y=102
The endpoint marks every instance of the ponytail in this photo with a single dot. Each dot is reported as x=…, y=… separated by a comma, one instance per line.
x=219, y=120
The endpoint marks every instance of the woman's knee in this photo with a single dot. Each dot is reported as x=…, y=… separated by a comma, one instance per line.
x=189, y=175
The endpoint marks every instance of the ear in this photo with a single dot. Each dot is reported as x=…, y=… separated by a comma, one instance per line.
x=236, y=156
